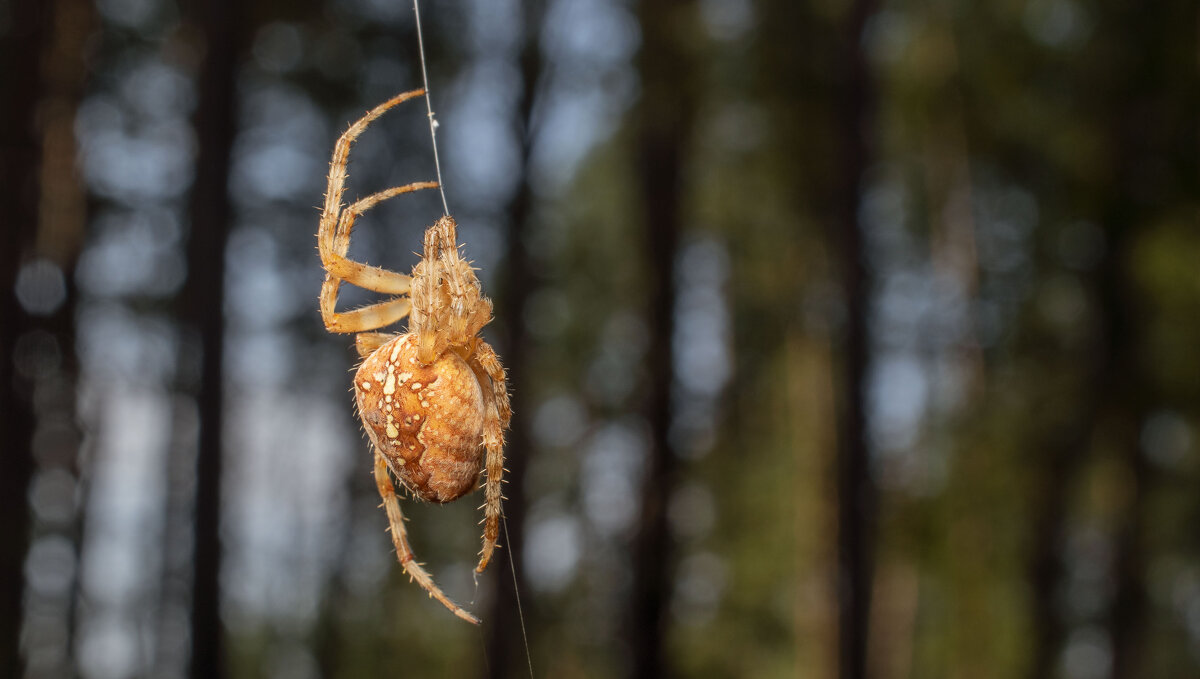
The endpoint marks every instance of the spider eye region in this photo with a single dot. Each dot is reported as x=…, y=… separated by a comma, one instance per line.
x=427, y=420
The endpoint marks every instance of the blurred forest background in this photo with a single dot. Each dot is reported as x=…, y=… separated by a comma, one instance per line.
x=847, y=338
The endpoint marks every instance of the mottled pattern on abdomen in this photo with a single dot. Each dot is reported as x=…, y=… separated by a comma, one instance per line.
x=427, y=420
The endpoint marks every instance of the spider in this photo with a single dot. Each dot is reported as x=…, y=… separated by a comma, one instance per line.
x=434, y=399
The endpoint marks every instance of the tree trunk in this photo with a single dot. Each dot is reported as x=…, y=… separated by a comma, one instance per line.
x=1126, y=389
x=663, y=120
x=62, y=220
x=28, y=26
x=1062, y=461
x=857, y=494
x=505, y=636
x=211, y=212
x=1126, y=406
x=1121, y=392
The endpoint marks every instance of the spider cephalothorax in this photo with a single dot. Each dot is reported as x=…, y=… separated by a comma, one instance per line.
x=433, y=400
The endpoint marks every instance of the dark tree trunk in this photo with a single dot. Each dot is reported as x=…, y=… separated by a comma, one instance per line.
x=204, y=294
x=1126, y=206
x=1138, y=114
x=62, y=219
x=1063, y=457
x=663, y=120
x=28, y=26
x=1126, y=406
x=505, y=634
x=857, y=493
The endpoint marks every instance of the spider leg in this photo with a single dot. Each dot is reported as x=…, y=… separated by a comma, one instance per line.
x=333, y=247
x=367, y=342
x=366, y=318
x=368, y=277
x=400, y=538
x=486, y=356
x=341, y=152
x=499, y=413
x=341, y=239
x=334, y=243
x=333, y=240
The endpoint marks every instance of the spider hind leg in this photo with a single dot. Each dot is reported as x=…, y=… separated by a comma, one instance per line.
x=400, y=539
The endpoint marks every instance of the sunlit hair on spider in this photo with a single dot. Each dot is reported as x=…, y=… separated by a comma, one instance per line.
x=433, y=401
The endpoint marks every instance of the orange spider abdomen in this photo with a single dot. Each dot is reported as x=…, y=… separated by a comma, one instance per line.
x=426, y=419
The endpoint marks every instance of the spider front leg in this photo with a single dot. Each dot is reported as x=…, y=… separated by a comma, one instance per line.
x=333, y=241
x=484, y=360
x=369, y=317
x=341, y=154
x=400, y=539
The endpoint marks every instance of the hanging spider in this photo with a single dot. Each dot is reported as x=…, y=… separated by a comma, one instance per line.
x=434, y=399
